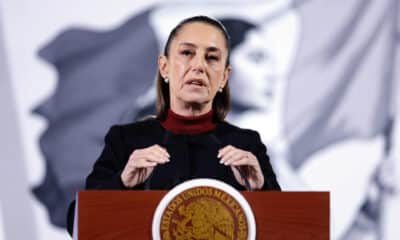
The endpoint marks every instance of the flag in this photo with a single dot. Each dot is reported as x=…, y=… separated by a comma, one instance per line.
x=101, y=75
x=342, y=87
x=342, y=81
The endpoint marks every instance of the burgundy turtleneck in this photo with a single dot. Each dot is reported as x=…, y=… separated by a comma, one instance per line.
x=179, y=124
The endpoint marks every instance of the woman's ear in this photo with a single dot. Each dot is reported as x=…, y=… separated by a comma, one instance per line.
x=227, y=73
x=163, y=65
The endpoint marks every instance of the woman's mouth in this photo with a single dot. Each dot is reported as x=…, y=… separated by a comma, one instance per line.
x=196, y=82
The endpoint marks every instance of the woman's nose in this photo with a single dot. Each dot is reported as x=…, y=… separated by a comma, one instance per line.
x=198, y=64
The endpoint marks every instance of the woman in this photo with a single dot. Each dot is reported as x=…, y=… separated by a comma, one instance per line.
x=189, y=137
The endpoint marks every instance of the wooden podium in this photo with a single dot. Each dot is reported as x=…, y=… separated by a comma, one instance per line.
x=128, y=214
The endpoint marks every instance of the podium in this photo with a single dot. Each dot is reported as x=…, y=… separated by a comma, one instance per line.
x=128, y=214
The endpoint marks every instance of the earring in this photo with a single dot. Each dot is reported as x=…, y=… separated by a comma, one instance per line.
x=220, y=89
x=166, y=80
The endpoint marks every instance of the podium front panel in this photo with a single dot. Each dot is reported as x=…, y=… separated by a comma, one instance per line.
x=128, y=214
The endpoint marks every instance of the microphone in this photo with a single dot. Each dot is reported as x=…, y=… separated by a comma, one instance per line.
x=147, y=185
x=241, y=171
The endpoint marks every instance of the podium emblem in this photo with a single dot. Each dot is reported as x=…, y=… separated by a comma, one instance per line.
x=203, y=209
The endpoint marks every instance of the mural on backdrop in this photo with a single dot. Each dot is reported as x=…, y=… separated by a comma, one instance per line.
x=312, y=79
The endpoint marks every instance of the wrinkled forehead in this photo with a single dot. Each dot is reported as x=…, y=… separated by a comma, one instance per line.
x=199, y=34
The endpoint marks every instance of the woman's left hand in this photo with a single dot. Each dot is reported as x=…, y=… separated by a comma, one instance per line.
x=235, y=157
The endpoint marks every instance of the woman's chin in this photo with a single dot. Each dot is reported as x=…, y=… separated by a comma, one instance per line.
x=196, y=98
x=200, y=102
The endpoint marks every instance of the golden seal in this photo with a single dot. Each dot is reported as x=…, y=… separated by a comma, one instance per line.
x=202, y=212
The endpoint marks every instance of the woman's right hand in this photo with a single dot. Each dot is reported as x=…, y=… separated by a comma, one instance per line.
x=141, y=163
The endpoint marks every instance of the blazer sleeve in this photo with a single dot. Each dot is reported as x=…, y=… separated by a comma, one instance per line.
x=106, y=173
x=260, y=151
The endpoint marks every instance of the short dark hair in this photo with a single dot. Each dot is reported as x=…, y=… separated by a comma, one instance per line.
x=221, y=102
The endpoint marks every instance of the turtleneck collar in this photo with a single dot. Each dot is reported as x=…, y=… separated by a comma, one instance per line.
x=179, y=124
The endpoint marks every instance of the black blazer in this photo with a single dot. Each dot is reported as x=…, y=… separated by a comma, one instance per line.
x=191, y=156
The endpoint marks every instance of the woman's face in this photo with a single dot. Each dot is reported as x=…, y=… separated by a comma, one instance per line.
x=262, y=63
x=196, y=65
x=254, y=74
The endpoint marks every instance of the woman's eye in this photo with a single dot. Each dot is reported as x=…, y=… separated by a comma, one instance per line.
x=186, y=52
x=213, y=58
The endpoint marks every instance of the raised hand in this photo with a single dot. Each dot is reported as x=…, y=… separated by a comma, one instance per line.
x=141, y=164
x=235, y=157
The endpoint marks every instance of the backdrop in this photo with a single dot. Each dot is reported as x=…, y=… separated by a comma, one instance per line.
x=318, y=79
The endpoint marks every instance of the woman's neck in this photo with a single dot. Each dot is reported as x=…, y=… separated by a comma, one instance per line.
x=190, y=109
x=180, y=124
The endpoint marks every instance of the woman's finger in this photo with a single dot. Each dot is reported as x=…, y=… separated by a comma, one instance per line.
x=224, y=150
x=233, y=156
x=160, y=150
x=154, y=154
x=244, y=161
x=155, y=157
